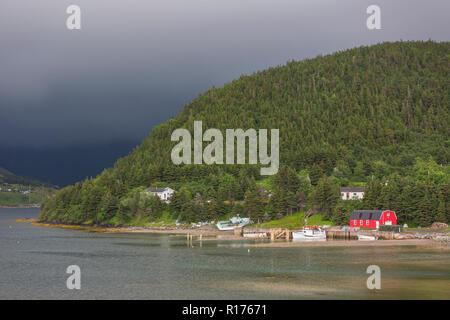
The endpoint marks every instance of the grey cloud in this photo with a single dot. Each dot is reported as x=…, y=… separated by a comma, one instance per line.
x=136, y=63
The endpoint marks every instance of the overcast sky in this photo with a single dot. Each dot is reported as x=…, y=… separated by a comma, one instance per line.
x=136, y=63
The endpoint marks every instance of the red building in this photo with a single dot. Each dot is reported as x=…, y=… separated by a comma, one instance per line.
x=372, y=218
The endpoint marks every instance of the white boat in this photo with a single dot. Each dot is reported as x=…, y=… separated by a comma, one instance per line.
x=366, y=237
x=235, y=222
x=309, y=233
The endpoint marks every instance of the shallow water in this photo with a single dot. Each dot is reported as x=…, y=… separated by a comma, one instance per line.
x=33, y=262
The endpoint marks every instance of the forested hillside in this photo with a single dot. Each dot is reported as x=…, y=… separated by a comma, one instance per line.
x=375, y=115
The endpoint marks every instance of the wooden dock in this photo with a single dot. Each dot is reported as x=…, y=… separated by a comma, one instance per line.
x=275, y=234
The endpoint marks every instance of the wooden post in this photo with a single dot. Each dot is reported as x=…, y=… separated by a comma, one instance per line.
x=272, y=235
x=288, y=235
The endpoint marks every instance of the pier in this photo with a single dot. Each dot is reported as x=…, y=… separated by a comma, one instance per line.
x=273, y=234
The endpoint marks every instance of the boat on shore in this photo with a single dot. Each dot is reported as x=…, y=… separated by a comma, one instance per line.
x=310, y=233
x=366, y=237
x=235, y=222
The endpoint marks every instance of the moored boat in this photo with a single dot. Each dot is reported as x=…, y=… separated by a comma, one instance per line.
x=235, y=222
x=309, y=233
x=366, y=237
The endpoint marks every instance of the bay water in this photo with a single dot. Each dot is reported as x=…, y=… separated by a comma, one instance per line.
x=34, y=259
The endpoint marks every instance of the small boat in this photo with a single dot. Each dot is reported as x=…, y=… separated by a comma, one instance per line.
x=309, y=233
x=235, y=222
x=366, y=237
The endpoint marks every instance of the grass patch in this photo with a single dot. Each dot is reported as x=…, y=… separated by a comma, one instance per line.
x=267, y=183
x=295, y=221
x=165, y=220
x=15, y=199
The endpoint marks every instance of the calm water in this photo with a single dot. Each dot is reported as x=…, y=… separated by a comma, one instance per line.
x=33, y=261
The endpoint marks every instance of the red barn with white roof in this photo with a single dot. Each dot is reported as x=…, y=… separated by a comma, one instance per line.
x=372, y=218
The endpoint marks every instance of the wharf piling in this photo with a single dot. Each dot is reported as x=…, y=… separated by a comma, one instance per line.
x=341, y=235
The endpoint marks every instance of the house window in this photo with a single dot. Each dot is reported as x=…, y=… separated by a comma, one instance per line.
x=360, y=222
x=367, y=222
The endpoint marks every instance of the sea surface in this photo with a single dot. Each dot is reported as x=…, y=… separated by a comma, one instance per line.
x=34, y=259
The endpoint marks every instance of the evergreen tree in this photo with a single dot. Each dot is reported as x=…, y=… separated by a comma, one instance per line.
x=340, y=215
x=324, y=198
x=254, y=205
x=372, y=194
x=315, y=174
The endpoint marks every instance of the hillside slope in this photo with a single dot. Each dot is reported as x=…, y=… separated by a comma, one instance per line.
x=353, y=114
x=5, y=172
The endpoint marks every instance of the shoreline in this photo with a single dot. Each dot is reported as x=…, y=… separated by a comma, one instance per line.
x=351, y=243
x=207, y=234
x=208, y=231
x=20, y=206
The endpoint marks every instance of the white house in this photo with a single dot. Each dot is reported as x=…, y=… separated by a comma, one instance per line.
x=164, y=193
x=352, y=193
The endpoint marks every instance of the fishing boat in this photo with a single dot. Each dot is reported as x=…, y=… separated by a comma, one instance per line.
x=366, y=237
x=235, y=222
x=309, y=233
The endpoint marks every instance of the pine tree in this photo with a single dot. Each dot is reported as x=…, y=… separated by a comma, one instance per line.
x=443, y=211
x=424, y=211
x=315, y=174
x=340, y=215
x=324, y=197
x=372, y=194
x=254, y=204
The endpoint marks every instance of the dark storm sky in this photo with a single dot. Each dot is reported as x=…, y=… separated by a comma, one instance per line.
x=136, y=63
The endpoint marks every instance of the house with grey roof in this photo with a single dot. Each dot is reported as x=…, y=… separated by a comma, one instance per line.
x=164, y=193
x=352, y=193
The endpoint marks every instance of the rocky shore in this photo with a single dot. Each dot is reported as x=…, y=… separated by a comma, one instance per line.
x=441, y=235
x=428, y=234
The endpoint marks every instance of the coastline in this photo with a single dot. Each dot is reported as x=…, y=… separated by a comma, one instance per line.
x=350, y=243
x=20, y=206
x=208, y=233
x=205, y=231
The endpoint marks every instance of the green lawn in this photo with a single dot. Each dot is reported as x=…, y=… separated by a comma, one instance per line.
x=295, y=221
x=165, y=220
x=267, y=183
x=15, y=198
